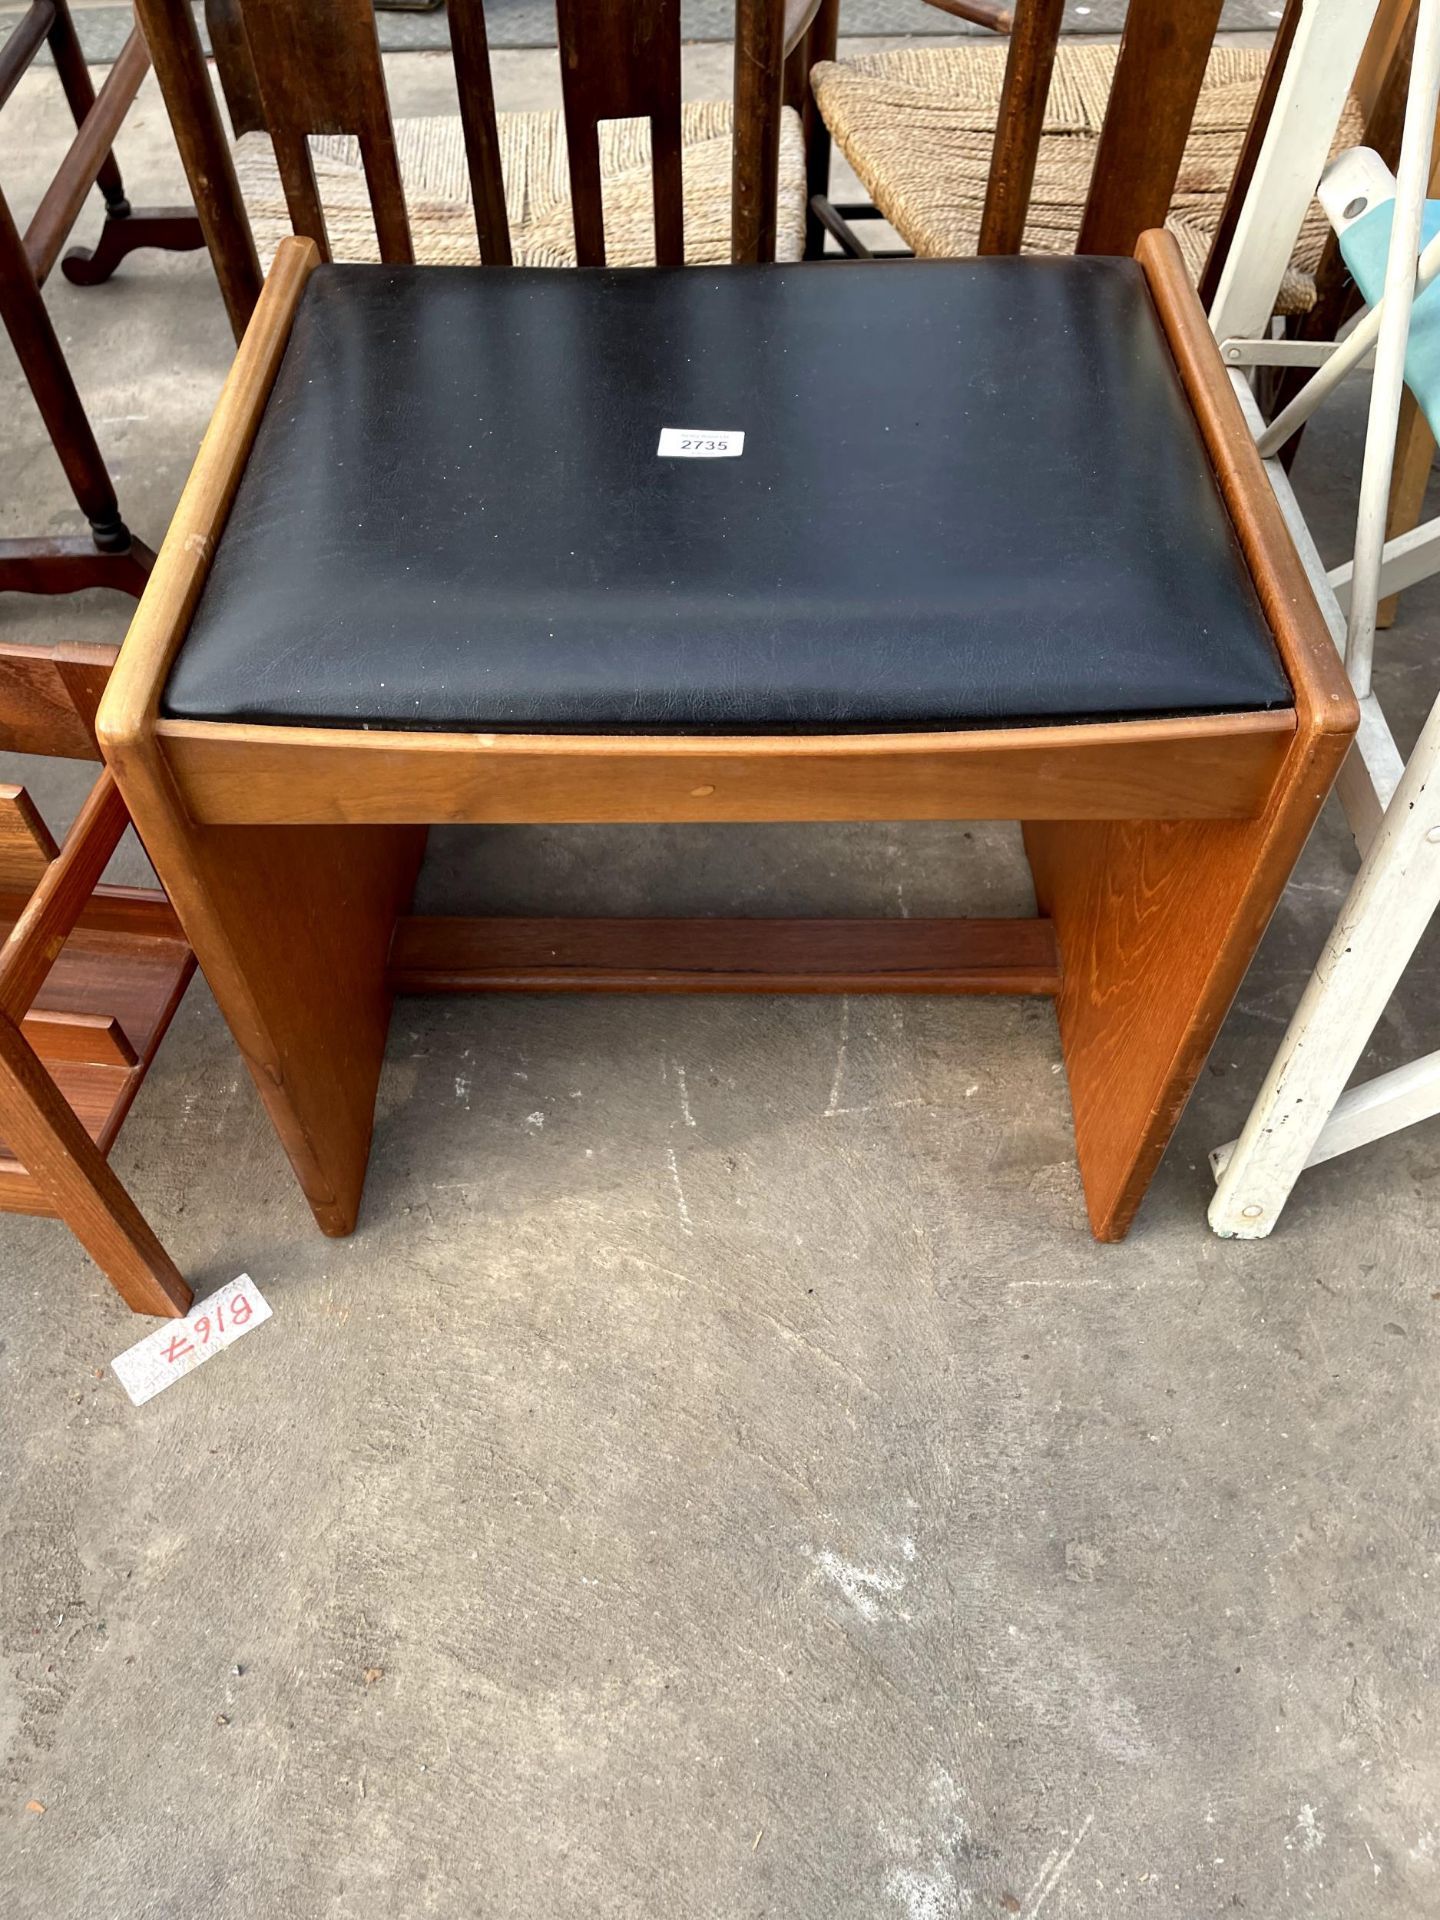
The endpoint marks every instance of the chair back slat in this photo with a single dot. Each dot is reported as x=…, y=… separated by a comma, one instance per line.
x=621, y=61
x=26, y=848
x=470, y=49
x=318, y=70
x=1028, y=67
x=230, y=49
x=314, y=67
x=302, y=195
x=1157, y=82
x=755, y=156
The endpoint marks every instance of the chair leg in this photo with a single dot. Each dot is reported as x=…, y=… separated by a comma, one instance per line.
x=79, y=91
x=1394, y=897
x=291, y=927
x=1156, y=923
x=41, y=1127
x=42, y=361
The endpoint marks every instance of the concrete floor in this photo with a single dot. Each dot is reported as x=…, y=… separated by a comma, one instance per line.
x=720, y=1476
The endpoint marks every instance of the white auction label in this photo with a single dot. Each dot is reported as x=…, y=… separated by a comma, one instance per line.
x=689, y=443
x=180, y=1346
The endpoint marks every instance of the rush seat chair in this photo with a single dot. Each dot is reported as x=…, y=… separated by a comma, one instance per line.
x=940, y=541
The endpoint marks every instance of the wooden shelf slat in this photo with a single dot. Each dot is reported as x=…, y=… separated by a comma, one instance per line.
x=513, y=955
x=135, y=979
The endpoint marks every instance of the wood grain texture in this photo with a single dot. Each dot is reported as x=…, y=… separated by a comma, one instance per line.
x=1147, y=121
x=292, y=929
x=1323, y=695
x=450, y=955
x=1020, y=123
x=475, y=88
x=230, y=50
x=49, y=697
x=1157, y=921
x=48, y=1138
x=622, y=62
x=755, y=163
x=318, y=70
x=26, y=844
x=1208, y=768
x=89, y=1039
x=136, y=977
x=34, y=942
x=133, y=910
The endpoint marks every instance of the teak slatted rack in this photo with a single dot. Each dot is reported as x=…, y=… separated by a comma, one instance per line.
x=90, y=977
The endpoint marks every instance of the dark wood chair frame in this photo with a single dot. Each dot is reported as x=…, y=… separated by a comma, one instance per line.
x=1158, y=76
x=90, y=977
x=110, y=556
x=1158, y=847
x=296, y=72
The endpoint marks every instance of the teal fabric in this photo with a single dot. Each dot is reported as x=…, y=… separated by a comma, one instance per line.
x=1364, y=247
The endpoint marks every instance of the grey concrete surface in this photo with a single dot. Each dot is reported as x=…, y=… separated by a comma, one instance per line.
x=720, y=1477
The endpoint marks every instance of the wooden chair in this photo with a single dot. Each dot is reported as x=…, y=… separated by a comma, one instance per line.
x=318, y=152
x=435, y=563
x=980, y=148
x=90, y=976
x=109, y=556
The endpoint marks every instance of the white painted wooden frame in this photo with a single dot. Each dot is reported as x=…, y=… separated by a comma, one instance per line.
x=1303, y=1113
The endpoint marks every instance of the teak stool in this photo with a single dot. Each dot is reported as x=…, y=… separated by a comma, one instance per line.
x=430, y=567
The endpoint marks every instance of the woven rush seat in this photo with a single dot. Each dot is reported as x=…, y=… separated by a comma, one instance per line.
x=499, y=543
x=918, y=126
x=431, y=154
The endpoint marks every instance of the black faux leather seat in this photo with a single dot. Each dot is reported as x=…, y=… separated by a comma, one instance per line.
x=971, y=492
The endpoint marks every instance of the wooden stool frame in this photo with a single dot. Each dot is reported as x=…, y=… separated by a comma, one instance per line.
x=1159, y=847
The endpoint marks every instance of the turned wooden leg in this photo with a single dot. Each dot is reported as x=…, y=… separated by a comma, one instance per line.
x=42, y=1129
x=42, y=361
x=1156, y=923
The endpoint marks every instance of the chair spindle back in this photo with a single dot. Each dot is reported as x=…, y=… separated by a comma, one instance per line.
x=303, y=67
x=1158, y=76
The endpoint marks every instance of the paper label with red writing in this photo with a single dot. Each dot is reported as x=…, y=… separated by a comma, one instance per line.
x=180, y=1346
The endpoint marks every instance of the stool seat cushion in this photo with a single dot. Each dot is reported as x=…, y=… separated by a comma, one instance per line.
x=970, y=493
